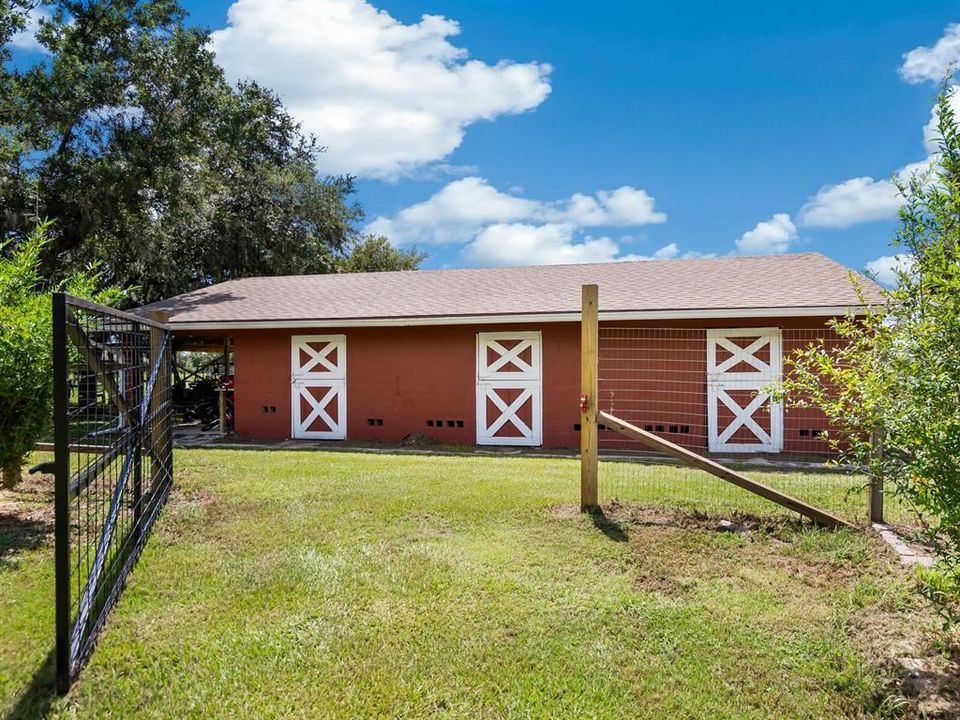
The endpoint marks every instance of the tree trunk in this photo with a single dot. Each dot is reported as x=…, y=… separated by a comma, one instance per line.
x=10, y=475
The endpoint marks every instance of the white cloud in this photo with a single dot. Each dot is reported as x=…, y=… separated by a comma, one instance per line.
x=623, y=206
x=547, y=244
x=385, y=97
x=457, y=211
x=768, y=237
x=26, y=39
x=931, y=64
x=667, y=252
x=853, y=201
x=464, y=207
x=885, y=268
x=502, y=228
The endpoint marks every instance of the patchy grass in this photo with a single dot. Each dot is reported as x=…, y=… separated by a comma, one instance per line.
x=298, y=584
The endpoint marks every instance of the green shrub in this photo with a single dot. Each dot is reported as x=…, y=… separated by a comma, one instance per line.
x=26, y=372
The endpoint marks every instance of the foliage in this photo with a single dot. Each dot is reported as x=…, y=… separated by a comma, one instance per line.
x=26, y=383
x=899, y=374
x=128, y=135
x=373, y=253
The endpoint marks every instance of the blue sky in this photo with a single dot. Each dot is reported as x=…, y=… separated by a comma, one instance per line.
x=505, y=133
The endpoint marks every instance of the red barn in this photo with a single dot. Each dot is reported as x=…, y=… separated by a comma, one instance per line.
x=492, y=356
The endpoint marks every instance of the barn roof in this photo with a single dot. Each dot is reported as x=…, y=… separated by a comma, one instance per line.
x=807, y=284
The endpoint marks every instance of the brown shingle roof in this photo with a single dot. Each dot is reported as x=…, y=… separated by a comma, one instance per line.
x=797, y=284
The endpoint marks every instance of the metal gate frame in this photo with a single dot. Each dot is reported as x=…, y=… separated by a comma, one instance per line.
x=113, y=465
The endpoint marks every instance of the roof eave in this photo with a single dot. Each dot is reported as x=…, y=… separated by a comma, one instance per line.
x=605, y=316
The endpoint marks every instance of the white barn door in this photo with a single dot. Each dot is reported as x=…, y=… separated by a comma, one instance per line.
x=509, y=388
x=741, y=363
x=319, y=386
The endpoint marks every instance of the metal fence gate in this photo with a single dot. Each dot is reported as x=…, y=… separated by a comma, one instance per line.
x=113, y=462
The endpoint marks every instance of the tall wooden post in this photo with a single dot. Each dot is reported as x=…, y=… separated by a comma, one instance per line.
x=589, y=340
x=156, y=428
x=222, y=390
x=875, y=492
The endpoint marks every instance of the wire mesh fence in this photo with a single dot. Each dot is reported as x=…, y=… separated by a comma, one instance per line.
x=707, y=390
x=113, y=461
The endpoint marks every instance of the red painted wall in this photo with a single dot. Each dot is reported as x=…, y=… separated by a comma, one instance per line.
x=654, y=376
x=406, y=376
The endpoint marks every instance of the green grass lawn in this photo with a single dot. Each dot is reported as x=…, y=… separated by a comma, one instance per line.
x=308, y=584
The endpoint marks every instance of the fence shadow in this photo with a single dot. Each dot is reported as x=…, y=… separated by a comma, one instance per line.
x=18, y=533
x=609, y=527
x=37, y=699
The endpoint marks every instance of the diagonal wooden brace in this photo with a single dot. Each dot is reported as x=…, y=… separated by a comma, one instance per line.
x=724, y=473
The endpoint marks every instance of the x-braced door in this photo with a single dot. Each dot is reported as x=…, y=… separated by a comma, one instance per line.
x=509, y=388
x=319, y=386
x=741, y=365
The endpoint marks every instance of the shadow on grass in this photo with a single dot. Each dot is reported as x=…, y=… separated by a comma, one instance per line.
x=37, y=698
x=19, y=533
x=611, y=528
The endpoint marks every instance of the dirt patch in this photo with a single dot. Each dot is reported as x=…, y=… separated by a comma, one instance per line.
x=706, y=548
x=196, y=498
x=564, y=512
x=929, y=686
x=418, y=439
x=186, y=508
x=628, y=514
x=918, y=657
x=26, y=516
x=201, y=514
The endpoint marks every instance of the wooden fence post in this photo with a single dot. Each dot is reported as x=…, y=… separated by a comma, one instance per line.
x=222, y=390
x=589, y=340
x=875, y=491
x=157, y=426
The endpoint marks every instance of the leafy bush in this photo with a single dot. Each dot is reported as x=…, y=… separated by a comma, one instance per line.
x=899, y=373
x=26, y=376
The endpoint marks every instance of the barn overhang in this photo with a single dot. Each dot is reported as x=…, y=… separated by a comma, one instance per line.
x=616, y=316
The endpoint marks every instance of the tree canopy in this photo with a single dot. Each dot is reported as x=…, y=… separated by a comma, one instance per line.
x=128, y=135
x=374, y=253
